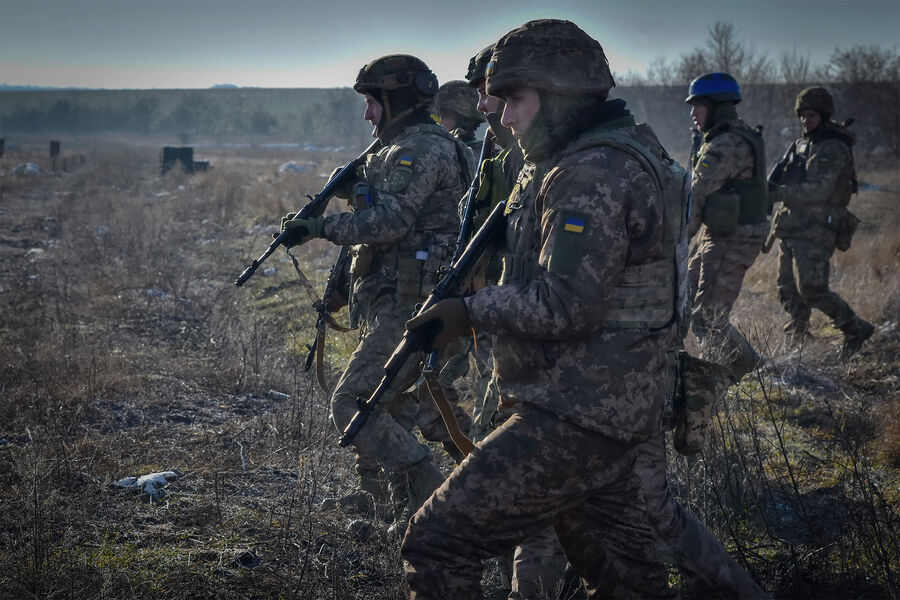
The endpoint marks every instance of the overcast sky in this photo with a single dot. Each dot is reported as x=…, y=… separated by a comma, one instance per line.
x=282, y=43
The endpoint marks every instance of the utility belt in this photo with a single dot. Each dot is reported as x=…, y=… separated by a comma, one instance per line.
x=415, y=272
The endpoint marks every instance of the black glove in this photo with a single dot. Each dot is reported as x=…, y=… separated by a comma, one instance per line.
x=300, y=231
x=440, y=324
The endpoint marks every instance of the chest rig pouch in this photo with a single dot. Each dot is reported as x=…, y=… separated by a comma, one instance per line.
x=520, y=257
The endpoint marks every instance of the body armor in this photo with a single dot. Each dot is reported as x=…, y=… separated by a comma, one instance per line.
x=752, y=193
x=648, y=296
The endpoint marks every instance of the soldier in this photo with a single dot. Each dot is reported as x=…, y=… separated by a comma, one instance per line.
x=586, y=319
x=813, y=220
x=729, y=206
x=456, y=103
x=581, y=394
x=538, y=563
x=404, y=220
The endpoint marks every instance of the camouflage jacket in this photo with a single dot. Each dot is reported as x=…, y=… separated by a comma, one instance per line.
x=810, y=210
x=408, y=217
x=723, y=158
x=579, y=218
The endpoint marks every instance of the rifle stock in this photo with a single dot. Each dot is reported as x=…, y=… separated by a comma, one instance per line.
x=315, y=206
x=448, y=286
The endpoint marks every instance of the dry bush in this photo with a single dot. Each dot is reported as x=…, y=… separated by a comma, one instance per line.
x=126, y=349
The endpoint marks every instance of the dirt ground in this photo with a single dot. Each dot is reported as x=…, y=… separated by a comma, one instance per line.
x=127, y=350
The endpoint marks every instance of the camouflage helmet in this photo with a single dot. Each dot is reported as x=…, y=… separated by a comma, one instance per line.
x=398, y=71
x=718, y=87
x=477, y=65
x=458, y=99
x=552, y=55
x=815, y=98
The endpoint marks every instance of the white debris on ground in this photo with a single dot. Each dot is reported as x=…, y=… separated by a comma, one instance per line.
x=28, y=168
x=150, y=484
x=292, y=167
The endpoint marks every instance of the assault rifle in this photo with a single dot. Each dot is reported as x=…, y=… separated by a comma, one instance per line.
x=315, y=207
x=790, y=170
x=317, y=348
x=449, y=285
x=466, y=224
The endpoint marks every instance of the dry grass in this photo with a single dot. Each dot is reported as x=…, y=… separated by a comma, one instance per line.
x=126, y=350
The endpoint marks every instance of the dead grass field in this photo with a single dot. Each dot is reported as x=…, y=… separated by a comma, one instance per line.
x=127, y=350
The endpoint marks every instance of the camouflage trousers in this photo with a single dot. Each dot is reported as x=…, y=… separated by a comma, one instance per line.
x=536, y=471
x=803, y=269
x=385, y=441
x=716, y=272
x=682, y=540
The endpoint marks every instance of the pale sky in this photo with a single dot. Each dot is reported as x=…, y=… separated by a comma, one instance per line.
x=299, y=43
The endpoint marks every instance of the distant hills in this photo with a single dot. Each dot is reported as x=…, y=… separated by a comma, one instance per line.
x=5, y=87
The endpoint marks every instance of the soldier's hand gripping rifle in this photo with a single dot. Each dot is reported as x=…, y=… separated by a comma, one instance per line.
x=315, y=207
x=449, y=285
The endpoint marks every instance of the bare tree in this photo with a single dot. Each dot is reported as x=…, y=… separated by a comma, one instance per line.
x=661, y=72
x=794, y=67
x=862, y=64
x=724, y=52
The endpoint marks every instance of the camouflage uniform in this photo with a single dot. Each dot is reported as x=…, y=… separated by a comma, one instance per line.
x=402, y=226
x=720, y=258
x=810, y=220
x=582, y=395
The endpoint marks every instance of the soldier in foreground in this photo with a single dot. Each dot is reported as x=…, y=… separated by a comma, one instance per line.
x=403, y=220
x=583, y=393
x=538, y=564
x=813, y=220
x=728, y=209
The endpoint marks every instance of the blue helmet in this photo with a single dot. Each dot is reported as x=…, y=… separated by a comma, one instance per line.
x=718, y=87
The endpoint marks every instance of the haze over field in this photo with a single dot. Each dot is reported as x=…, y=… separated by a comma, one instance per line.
x=281, y=43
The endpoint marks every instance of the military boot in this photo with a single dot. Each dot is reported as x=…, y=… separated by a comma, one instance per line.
x=410, y=488
x=856, y=332
x=744, y=362
x=797, y=332
x=370, y=496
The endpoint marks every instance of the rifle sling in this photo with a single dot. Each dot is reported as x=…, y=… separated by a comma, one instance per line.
x=462, y=442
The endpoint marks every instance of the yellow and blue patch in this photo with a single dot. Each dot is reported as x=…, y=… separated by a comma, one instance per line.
x=406, y=161
x=574, y=224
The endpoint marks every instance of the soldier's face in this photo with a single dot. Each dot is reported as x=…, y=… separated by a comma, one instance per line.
x=810, y=119
x=699, y=114
x=487, y=104
x=448, y=122
x=373, y=110
x=522, y=105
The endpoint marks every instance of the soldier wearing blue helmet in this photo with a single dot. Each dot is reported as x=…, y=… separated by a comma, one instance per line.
x=728, y=215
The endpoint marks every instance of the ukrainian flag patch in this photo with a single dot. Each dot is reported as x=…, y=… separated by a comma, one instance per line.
x=574, y=224
x=406, y=161
x=704, y=164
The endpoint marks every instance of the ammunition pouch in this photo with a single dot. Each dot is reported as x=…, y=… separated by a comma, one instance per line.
x=721, y=212
x=698, y=386
x=361, y=258
x=417, y=275
x=361, y=197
